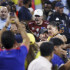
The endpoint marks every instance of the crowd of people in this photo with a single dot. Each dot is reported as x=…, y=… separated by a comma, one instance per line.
x=35, y=38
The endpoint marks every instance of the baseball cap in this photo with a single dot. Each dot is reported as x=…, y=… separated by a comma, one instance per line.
x=59, y=4
x=43, y=31
x=19, y=38
x=38, y=12
x=62, y=27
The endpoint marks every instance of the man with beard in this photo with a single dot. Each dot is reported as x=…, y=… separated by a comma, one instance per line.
x=59, y=15
x=47, y=9
x=3, y=16
x=38, y=23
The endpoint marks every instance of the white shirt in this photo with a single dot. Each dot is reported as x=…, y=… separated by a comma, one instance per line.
x=3, y=23
x=40, y=63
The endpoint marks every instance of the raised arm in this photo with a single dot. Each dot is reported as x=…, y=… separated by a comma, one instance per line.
x=23, y=33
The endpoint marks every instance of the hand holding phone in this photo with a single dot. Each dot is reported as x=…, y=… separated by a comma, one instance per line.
x=12, y=14
x=68, y=53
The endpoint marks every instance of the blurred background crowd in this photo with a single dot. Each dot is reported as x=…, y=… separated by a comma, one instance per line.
x=43, y=26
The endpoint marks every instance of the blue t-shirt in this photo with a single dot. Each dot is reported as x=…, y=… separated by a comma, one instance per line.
x=13, y=59
x=56, y=60
x=24, y=14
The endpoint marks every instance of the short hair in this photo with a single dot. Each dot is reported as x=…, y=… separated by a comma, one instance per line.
x=26, y=1
x=8, y=39
x=47, y=2
x=46, y=48
x=55, y=24
x=56, y=41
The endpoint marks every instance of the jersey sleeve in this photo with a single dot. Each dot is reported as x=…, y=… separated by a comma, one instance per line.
x=24, y=50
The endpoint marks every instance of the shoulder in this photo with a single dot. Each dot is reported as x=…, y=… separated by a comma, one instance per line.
x=45, y=22
x=31, y=23
x=54, y=57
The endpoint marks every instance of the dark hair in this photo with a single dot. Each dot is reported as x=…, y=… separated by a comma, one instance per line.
x=46, y=48
x=8, y=39
x=32, y=53
x=47, y=2
x=26, y=1
x=56, y=41
x=55, y=24
x=4, y=4
x=68, y=3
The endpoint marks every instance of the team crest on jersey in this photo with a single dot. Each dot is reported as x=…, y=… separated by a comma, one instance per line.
x=33, y=28
x=37, y=29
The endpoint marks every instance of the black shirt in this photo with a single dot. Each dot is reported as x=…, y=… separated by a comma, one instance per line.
x=24, y=14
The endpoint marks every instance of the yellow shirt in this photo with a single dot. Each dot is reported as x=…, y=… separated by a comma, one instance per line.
x=0, y=6
x=15, y=1
x=37, y=2
x=38, y=54
x=49, y=38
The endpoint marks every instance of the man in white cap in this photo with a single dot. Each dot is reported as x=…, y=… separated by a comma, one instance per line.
x=38, y=23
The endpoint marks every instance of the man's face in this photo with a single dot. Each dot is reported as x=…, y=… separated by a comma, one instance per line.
x=38, y=19
x=61, y=10
x=43, y=37
x=14, y=28
x=57, y=9
x=47, y=7
x=59, y=50
x=3, y=13
x=52, y=30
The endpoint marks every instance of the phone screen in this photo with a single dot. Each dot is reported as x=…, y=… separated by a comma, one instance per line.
x=68, y=53
x=12, y=14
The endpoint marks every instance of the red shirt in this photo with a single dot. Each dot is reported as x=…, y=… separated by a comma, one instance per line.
x=36, y=28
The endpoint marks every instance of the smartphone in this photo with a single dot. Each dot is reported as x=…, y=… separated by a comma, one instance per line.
x=68, y=53
x=12, y=14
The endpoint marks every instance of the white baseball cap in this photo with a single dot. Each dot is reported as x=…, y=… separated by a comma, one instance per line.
x=38, y=12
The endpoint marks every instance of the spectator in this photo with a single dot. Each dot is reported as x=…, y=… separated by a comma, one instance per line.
x=32, y=50
x=59, y=15
x=13, y=57
x=47, y=9
x=58, y=44
x=3, y=17
x=43, y=62
x=38, y=23
x=43, y=34
x=53, y=31
x=19, y=5
x=24, y=14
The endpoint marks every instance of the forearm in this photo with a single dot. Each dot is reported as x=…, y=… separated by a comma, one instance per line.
x=26, y=39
